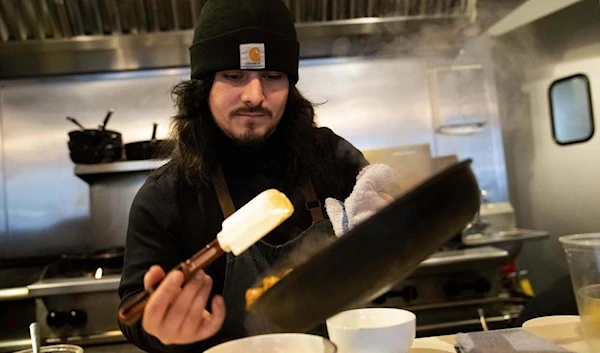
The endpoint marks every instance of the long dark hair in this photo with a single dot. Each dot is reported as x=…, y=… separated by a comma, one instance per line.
x=195, y=152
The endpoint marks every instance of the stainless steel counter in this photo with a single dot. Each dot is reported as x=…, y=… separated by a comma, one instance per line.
x=113, y=348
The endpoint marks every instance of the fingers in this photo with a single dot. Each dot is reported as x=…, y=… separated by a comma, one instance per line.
x=152, y=277
x=176, y=313
x=160, y=301
x=212, y=325
x=196, y=309
x=185, y=313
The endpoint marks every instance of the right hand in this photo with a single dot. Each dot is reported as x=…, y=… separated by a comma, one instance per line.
x=178, y=315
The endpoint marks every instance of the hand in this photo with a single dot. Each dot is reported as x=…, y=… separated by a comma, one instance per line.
x=177, y=315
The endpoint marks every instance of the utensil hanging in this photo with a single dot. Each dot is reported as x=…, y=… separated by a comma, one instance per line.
x=74, y=121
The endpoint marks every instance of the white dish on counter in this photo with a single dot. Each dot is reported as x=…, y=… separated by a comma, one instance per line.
x=277, y=343
x=552, y=320
x=58, y=348
x=381, y=330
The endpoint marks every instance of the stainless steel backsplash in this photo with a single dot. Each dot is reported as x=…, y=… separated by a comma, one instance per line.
x=44, y=207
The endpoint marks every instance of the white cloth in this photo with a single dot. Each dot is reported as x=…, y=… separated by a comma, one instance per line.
x=377, y=185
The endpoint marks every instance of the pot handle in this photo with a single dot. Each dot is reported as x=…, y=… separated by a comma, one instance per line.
x=155, y=125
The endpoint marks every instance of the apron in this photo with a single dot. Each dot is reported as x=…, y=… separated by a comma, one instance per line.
x=248, y=269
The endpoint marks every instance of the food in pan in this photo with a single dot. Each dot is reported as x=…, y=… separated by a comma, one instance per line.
x=252, y=294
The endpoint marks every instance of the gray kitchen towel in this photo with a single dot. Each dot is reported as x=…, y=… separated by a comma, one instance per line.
x=504, y=341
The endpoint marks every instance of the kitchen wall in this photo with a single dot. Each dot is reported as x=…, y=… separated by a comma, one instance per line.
x=373, y=102
x=552, y=187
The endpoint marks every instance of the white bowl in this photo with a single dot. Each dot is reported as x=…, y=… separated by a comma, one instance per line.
x=370, y=330
x=277, y=343
x=58, y=348
x=552, y=320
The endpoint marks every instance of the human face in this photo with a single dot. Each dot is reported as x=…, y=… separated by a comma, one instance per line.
x=248, y=105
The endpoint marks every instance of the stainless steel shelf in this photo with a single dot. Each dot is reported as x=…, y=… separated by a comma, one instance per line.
x=74, y=285
x=92, y=172
x=512, y=235
x=444, y=258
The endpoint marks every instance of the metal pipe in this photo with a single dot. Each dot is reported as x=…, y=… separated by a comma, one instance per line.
x=13, y=20
x=298, y=10
x=334, y=10
x=324, y=9
x=142, y=18
x=75, y=16
x=35, y=24
x=94, y=10
x=129, y=12
x=152, y=11
x=51, y=22
x=370, y=8
x=63, y=18
x=113, y=14
x=3, y=30
x=175, y=14
x=194, y=11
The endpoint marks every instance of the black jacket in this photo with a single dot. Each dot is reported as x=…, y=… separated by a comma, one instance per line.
x=170, y=220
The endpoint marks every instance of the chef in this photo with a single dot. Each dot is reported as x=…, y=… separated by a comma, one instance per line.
x=241, y=127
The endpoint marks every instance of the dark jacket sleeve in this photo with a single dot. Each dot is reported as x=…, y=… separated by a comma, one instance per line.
x=150, y=240
x=349, y=162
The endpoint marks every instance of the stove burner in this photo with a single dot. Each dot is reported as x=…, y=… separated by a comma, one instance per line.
x=100, y=263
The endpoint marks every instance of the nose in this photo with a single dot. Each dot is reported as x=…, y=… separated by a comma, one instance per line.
x=253, y=94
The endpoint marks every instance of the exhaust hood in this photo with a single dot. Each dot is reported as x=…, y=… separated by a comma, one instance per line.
x=39, y=37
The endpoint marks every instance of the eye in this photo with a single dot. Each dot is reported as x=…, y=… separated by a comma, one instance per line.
x=273, y=76
x=233, y=76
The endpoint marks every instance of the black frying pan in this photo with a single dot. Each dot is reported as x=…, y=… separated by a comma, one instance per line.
x=145, y=149
x=375, y=256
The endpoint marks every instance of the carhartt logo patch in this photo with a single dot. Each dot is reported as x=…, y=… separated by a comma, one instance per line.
x=252, y=56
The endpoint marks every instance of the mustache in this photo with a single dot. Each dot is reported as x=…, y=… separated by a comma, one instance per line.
x=252, y=110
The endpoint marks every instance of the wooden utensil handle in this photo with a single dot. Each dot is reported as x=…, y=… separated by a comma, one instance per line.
x=133, y=309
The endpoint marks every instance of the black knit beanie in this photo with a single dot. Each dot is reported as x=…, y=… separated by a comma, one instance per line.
x=245, y=34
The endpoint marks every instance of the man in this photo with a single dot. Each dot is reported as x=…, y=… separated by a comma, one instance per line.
x=242, y=127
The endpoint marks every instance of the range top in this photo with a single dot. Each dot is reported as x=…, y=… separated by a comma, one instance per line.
x=95, y=265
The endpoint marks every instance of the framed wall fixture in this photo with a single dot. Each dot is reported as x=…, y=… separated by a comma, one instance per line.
x=571, y=111
x=458, y=99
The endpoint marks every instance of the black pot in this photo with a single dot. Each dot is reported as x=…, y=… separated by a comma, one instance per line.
x=95, y=146
x=93, y=156
x=147, y=149
x=90, y=146
x=93, y=136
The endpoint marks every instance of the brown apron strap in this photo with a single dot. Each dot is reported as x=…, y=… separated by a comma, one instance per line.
x=313, y=205
x=223, y=194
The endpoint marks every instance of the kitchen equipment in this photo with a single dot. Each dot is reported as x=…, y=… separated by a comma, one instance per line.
x=36, y=347
x=58, y=348
x=583, y=257
x=239, y=231
x=90, y=146
x=276, y=343
x=34, y=332
x=74, y=121
x=106, y=118
x=552, y=320
x=382, y=330
x=374, y=256
x=145, y=149
x=73, y=265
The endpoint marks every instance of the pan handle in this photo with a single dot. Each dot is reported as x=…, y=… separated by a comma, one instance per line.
x=155, y=125
x=71, y=119
x=108, y=114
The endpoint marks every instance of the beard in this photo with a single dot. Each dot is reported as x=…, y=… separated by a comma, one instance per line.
x=250, y=136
